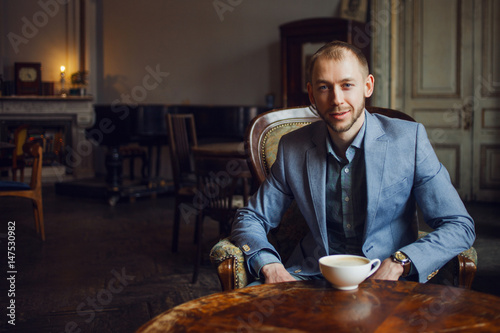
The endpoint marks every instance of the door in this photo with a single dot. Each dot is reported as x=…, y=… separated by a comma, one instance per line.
x=452, y=87
x=486, y=101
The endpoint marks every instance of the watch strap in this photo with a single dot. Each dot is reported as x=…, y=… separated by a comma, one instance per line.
x=406, y=269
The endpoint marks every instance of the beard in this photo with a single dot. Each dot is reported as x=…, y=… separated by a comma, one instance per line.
x=335, y=126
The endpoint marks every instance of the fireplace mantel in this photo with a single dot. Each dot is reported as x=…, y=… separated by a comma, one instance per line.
x=78, y=110
x=79, y=106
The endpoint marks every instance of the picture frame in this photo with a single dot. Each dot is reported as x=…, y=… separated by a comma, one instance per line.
x=356, y=10
x=308, y=50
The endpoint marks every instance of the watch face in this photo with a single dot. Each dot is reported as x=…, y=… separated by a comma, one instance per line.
x=401, y=257
x=27, y=74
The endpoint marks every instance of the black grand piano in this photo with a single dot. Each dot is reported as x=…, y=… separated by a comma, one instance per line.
x=119, y=125
x=146, y=123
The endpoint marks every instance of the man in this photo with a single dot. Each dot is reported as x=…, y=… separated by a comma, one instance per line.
x=356, y=178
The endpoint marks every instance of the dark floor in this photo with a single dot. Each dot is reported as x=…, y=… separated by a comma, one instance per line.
x=110, y=269
x=101, y=268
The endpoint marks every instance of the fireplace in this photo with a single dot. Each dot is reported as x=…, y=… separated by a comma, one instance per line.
x=59, y=125
x=53, y=135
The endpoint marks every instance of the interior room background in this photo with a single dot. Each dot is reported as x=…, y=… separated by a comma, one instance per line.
x=435, y=60
x=203, y=52
x=215, y=52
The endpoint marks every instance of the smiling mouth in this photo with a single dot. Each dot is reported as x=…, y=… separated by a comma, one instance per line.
x=339, y=113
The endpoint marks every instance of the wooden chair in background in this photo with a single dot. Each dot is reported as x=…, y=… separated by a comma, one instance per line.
x=217, y=181
x=182, y=138
x=33, y=191
x=16, y=161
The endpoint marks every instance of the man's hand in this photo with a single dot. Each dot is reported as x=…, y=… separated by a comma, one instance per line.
x=388, y=270
x=276, y=272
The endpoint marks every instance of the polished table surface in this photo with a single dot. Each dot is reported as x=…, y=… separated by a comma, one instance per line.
x=314, y=306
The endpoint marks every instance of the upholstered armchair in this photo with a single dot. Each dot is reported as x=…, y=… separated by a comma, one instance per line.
x=262, y=139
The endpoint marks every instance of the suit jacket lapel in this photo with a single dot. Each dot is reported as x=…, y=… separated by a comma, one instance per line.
x=375, y=144
x=316, y=172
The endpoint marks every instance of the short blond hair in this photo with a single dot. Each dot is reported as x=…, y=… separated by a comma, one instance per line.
x=337, y=50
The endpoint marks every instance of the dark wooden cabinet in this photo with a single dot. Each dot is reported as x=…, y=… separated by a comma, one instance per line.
x=299, y=41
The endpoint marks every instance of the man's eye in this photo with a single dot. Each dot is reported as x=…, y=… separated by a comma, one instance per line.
x=348, y=85
x=323, y=87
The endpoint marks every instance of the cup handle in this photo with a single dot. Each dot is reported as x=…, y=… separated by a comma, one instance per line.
x=375, y=262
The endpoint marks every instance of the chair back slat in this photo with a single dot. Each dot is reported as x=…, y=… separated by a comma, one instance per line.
x=182, y=137
x=20, y=137
x=35, y=150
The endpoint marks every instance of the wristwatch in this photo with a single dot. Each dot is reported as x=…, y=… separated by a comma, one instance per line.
x=402, y=259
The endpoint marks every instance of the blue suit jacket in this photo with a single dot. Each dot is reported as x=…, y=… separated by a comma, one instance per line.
x=401, y=170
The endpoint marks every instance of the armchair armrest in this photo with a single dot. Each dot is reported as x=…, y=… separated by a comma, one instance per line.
x=460, y=271
x=230, y=264
x=467, y=267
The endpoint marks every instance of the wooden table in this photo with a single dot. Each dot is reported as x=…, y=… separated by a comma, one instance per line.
x=314, y=306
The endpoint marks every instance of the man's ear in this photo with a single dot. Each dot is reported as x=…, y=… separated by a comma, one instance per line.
x=310, y=92
x=369, y=85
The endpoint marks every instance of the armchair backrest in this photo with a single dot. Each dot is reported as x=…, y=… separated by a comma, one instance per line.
x=261, y=144
x=264, y=133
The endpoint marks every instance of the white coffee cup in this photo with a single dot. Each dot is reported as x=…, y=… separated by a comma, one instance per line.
x=346, y=271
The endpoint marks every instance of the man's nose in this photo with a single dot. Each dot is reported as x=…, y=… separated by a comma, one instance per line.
x=337, y=97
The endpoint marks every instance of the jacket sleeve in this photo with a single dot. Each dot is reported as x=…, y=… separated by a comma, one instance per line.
x=442, y=209
x=263, y=213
